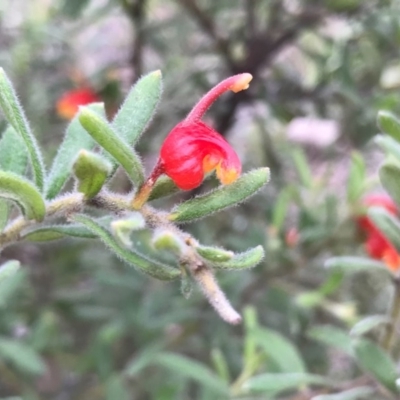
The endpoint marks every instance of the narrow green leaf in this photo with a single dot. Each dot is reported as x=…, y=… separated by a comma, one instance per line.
x=22, y=356
x=277, y=383
x=367, y=324
x=375, y=361
x=115, y=388
x=358, y=393
x=331, y=336
x=151, y=267
x=389, y=174
x=303, y=169
x=389, y=145
x=350, y=265
x=110, y=141
x=220, y=364
x=24, y=193
x=389, y=124
x=281, y=206
x=221, y=198
x=16, y=117
x=138, y=108
x=280, y=350
x=190, y=369
x=14, y=158
x=356, y=180
x=55, y=232
x=164, y=187
x=8, y=269
x=75, y=139
x=91, y=171
x=13, y=154
x=214, y=254
x=4, y=213
x=247, y=259
x=11, y=284
x=144, y=358
x=387, y=223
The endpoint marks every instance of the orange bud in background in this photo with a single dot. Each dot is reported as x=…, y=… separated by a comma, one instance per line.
x=68, y=104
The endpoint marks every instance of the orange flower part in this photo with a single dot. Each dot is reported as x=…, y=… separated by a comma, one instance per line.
x=68, y=104
x=193, y=148
x=377, y=245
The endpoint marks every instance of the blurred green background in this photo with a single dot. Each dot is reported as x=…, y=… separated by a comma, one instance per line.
x=78, y=324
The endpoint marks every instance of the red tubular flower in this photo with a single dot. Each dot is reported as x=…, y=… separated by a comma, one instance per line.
x=193, y=148
x=376, y=245
x=68, y=104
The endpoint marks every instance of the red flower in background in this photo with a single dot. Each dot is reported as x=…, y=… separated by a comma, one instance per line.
x=376, y=245
x=192, y=148
x=68, y=105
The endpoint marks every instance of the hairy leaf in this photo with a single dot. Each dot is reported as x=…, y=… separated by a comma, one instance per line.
x=24, y=193
x=16, y=117
x=151, y=267
x=76, y=139
x=221, y=198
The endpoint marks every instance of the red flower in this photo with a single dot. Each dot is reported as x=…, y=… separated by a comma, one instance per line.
x=376, y=245
x=193, y=148
x=68, y=105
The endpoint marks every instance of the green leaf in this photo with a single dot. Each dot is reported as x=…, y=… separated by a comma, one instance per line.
x=74, y=8
x=92, y=171
x=389, y=124
x=14, y=158
x=55, y=232
x=24, y=193
x=279, y=349
x=13, y=155
x=193, y=370
x=144, y=358
x=358, y=393
x=372, y=359
x=277, y=383
x=164, y=187
x=387, y=223
x=349, y=264
x=16, y=117
x=76, y=139
x=356, y=180
x=138, y=108
x=21, y=356
x=8, y=269
x=303, y=169
x=389, y=145
x=220, y=364
x=151, y=267
x=331, y=336
x=368, y=324
x=11, y=284
x=214, y=254
x=389, y=174
x=281, y=206
x=247, y=259
x=109, y=140
x=221, y=198
x=115, y=388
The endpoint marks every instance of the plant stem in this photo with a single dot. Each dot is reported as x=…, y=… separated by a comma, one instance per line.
x=389, y=337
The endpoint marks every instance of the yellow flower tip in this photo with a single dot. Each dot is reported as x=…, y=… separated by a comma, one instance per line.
x=242, y=82
x=209, y=163
x=227, y=176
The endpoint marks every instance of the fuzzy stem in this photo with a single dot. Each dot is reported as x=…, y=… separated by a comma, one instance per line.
x=390, y=333
x=216, y=297
x=144, y=192
x=235, y=83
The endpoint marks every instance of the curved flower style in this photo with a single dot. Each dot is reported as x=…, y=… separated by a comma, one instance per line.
x=68, y=104
x=376, y=245
x=192, y=148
